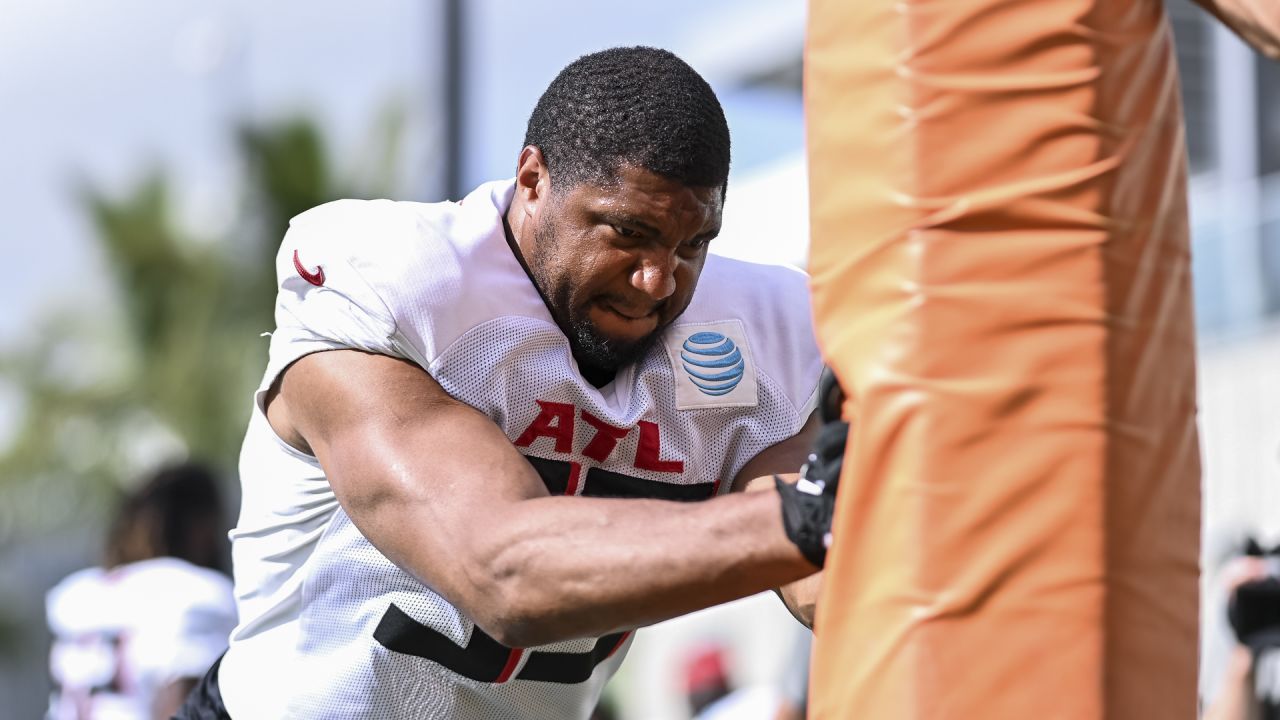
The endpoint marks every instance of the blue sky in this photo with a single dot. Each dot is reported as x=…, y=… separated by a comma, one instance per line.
x=104, y=92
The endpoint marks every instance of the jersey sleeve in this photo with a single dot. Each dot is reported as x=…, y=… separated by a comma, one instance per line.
x=798, y=367
x=344, y=275
x=773, y=301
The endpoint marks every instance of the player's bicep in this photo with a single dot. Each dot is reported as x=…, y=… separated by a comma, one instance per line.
x=785, y=459
x=782, y=458
x=415, y=469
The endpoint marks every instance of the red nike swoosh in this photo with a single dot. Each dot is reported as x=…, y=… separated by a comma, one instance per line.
x=315, y=278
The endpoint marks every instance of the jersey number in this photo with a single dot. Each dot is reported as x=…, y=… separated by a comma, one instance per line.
x=487, y=660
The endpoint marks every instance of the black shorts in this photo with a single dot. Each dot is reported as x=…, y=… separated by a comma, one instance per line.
x=204, y=702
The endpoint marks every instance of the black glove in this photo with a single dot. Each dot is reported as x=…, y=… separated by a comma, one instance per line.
x=807, y=506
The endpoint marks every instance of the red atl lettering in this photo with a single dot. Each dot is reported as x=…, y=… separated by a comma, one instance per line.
x=605, y=440
x=555, y=421
x=649, y=447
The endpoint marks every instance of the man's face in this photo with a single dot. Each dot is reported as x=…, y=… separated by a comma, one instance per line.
x=618, y=263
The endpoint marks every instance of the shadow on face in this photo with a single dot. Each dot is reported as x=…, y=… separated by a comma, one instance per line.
x=616, y=261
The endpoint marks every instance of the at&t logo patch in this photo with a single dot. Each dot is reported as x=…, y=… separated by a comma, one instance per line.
x=712, y=365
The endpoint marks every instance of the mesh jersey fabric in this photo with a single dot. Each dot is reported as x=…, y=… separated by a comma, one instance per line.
x=329, y=626
x=120, y=635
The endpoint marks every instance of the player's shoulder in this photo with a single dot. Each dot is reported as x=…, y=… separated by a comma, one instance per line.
x=72, y=604
x=771, y=300
x=175, y=572
x=153, y=589
x=736, y=277
x=169, y=592
x=368, y=233
x=80, y=581
x=764, y=307
x=397, y=244
x=403, y=278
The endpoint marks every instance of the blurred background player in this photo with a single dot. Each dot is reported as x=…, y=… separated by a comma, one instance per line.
x=1243, y=641
x=705, y=677
x=712, y=694
x=132, y=637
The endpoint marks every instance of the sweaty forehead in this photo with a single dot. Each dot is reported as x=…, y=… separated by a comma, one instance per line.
x=644, y=195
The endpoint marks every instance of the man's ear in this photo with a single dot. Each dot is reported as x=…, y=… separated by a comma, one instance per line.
x=533, y=180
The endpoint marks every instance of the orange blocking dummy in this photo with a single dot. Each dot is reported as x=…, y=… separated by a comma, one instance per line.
x=1001, y=282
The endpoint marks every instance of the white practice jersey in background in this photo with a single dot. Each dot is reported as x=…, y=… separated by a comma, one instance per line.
x=332, y=629
x=121, y=635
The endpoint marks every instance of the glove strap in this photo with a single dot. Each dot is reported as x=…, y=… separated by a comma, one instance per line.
x=806, y=517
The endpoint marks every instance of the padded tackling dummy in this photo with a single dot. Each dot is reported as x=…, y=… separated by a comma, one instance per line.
x=1001, y=282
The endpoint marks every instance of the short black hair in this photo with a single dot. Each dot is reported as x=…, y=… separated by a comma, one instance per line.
x=176, y=513
x=636, y=105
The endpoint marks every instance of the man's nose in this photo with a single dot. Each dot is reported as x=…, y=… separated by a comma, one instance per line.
x=655, y=275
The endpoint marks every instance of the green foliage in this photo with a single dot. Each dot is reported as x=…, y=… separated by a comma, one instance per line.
x=107, y=392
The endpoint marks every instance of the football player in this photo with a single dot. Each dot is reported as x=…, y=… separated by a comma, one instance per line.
x=495, y=437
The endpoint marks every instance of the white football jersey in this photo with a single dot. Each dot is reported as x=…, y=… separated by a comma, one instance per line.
x=330, y=628
x=121, y=635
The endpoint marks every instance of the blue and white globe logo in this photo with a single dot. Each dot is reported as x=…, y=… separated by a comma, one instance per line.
x=714, y=363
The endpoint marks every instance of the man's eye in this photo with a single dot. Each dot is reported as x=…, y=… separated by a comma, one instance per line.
x=626, y=232
x=698, y=243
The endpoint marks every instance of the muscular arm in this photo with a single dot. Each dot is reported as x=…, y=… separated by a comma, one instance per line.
x=440, y=490
x=784, y=459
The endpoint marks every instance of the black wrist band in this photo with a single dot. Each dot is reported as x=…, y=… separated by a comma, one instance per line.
x=806, y=517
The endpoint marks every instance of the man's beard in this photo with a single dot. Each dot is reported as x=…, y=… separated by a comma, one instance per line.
x=595, y=352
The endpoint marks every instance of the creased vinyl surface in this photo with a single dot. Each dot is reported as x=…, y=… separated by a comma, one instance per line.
x=1001, y=281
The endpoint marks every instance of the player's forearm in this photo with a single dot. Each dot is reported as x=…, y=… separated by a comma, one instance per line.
x=801, y=596
x=577, y=567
